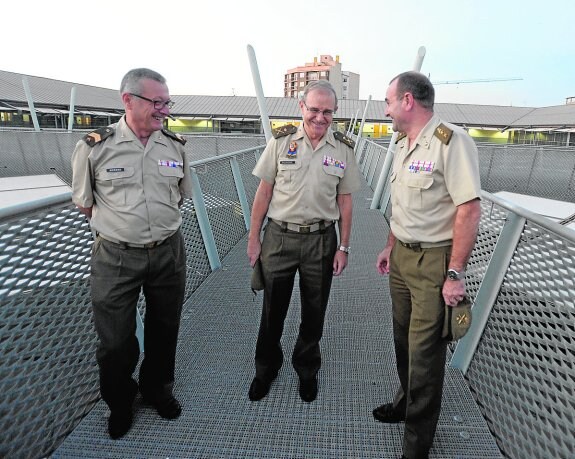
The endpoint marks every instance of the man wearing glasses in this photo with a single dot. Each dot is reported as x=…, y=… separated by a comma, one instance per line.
x=307, y=176
x=130, y=179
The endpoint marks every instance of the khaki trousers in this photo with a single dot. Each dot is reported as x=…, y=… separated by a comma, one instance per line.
x=283, y=254
x=416, y=280
x=118, y=276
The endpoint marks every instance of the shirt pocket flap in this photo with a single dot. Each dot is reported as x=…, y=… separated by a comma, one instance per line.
x=171, y=171
x=333, y=170
x=423, y=183
x=113, y=173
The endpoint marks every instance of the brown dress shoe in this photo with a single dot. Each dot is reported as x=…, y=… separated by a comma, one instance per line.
x=386, y=413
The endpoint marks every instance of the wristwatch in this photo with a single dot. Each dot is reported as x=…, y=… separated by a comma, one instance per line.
x=343, y=248
x=452, y=274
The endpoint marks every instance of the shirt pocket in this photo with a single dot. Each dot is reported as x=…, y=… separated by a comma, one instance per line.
x=117, y=185
x=419, y=192
x=171, y=177
x=287, y=170
x=334, y=171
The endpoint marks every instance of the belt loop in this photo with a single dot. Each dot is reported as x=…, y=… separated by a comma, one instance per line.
x=284, y=227
x=322, y=227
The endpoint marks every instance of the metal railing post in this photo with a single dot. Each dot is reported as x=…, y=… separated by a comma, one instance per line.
x=204, y=222
x=362, y=123
x=30, y=103
x=241, y=190
x=260, y=93
x=489, y=289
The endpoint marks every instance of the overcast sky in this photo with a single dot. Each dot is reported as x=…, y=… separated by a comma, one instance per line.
x=201, y=46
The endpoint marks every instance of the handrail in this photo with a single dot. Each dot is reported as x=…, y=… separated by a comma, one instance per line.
x=18, y=209
x=549, y=225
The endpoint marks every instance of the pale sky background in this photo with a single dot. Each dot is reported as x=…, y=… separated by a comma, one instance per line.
x=201, y=46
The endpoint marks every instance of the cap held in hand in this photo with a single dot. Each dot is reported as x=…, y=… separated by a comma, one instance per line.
x=257, y=277
x=457, y=320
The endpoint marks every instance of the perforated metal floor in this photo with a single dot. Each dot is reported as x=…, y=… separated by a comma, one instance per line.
x=215, y=368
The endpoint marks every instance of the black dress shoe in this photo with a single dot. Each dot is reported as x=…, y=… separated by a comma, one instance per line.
x=386, y=413
x=259, y=389
x=167, y=407
x=119, y=423
x=308, y=389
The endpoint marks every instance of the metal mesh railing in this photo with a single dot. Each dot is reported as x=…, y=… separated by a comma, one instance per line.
x=523, y=371
x=48, y=375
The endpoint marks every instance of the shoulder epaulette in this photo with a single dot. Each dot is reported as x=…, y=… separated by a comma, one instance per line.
x=443, y=133
x=284, y=130
x=175, y=136
x=98, y=135
x=400, y=136
x=344, y=139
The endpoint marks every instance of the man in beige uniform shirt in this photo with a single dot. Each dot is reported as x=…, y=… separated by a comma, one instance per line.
x=307, y=177
x=130, y=179
x=435, y=191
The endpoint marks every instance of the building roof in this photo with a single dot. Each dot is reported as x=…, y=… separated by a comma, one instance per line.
x=49, y=94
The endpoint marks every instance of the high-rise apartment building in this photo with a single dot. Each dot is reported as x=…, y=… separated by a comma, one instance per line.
x=346, y=84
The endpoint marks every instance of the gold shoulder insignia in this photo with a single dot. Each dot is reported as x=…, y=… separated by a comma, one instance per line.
x=400, y=136
x=284, y=130
x=443, y=133
x=172, y=135
x=98, y=135
x=345, y=139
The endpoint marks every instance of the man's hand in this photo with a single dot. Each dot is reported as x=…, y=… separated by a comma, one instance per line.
x=382, y=263
x=87, y=211
x=339, y=262
x=254, y=250
x=453, y=291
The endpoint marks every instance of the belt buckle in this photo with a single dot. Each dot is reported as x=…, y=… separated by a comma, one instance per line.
x=304, y=228
x=150, y=245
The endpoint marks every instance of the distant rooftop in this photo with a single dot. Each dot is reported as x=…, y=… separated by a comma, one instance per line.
x=55, y=94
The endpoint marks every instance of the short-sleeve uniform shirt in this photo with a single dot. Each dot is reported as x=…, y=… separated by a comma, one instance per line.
x=134, y=189
x=307, y=182
x=430, y=179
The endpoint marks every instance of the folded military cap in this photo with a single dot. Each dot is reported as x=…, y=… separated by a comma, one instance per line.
x=257, y=282
x=457, y=320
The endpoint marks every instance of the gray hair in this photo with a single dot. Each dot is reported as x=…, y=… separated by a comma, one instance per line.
x=132, y=79
x=418, y=85
x=323, y=85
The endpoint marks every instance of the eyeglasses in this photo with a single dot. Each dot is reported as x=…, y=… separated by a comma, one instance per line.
x=317, y=111
x=158, y=104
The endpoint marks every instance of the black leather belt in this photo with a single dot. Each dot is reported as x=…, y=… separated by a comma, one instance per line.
x=417, y=246
x=149, y=245
x=304, y=229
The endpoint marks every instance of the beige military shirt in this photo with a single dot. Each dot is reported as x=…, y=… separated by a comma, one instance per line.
x=134, y=190
x=306, y=182
x=429, y=179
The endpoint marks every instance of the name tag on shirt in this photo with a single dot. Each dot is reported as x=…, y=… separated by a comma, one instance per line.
x=115, y=169
x=168, y=163
x=287, y=162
